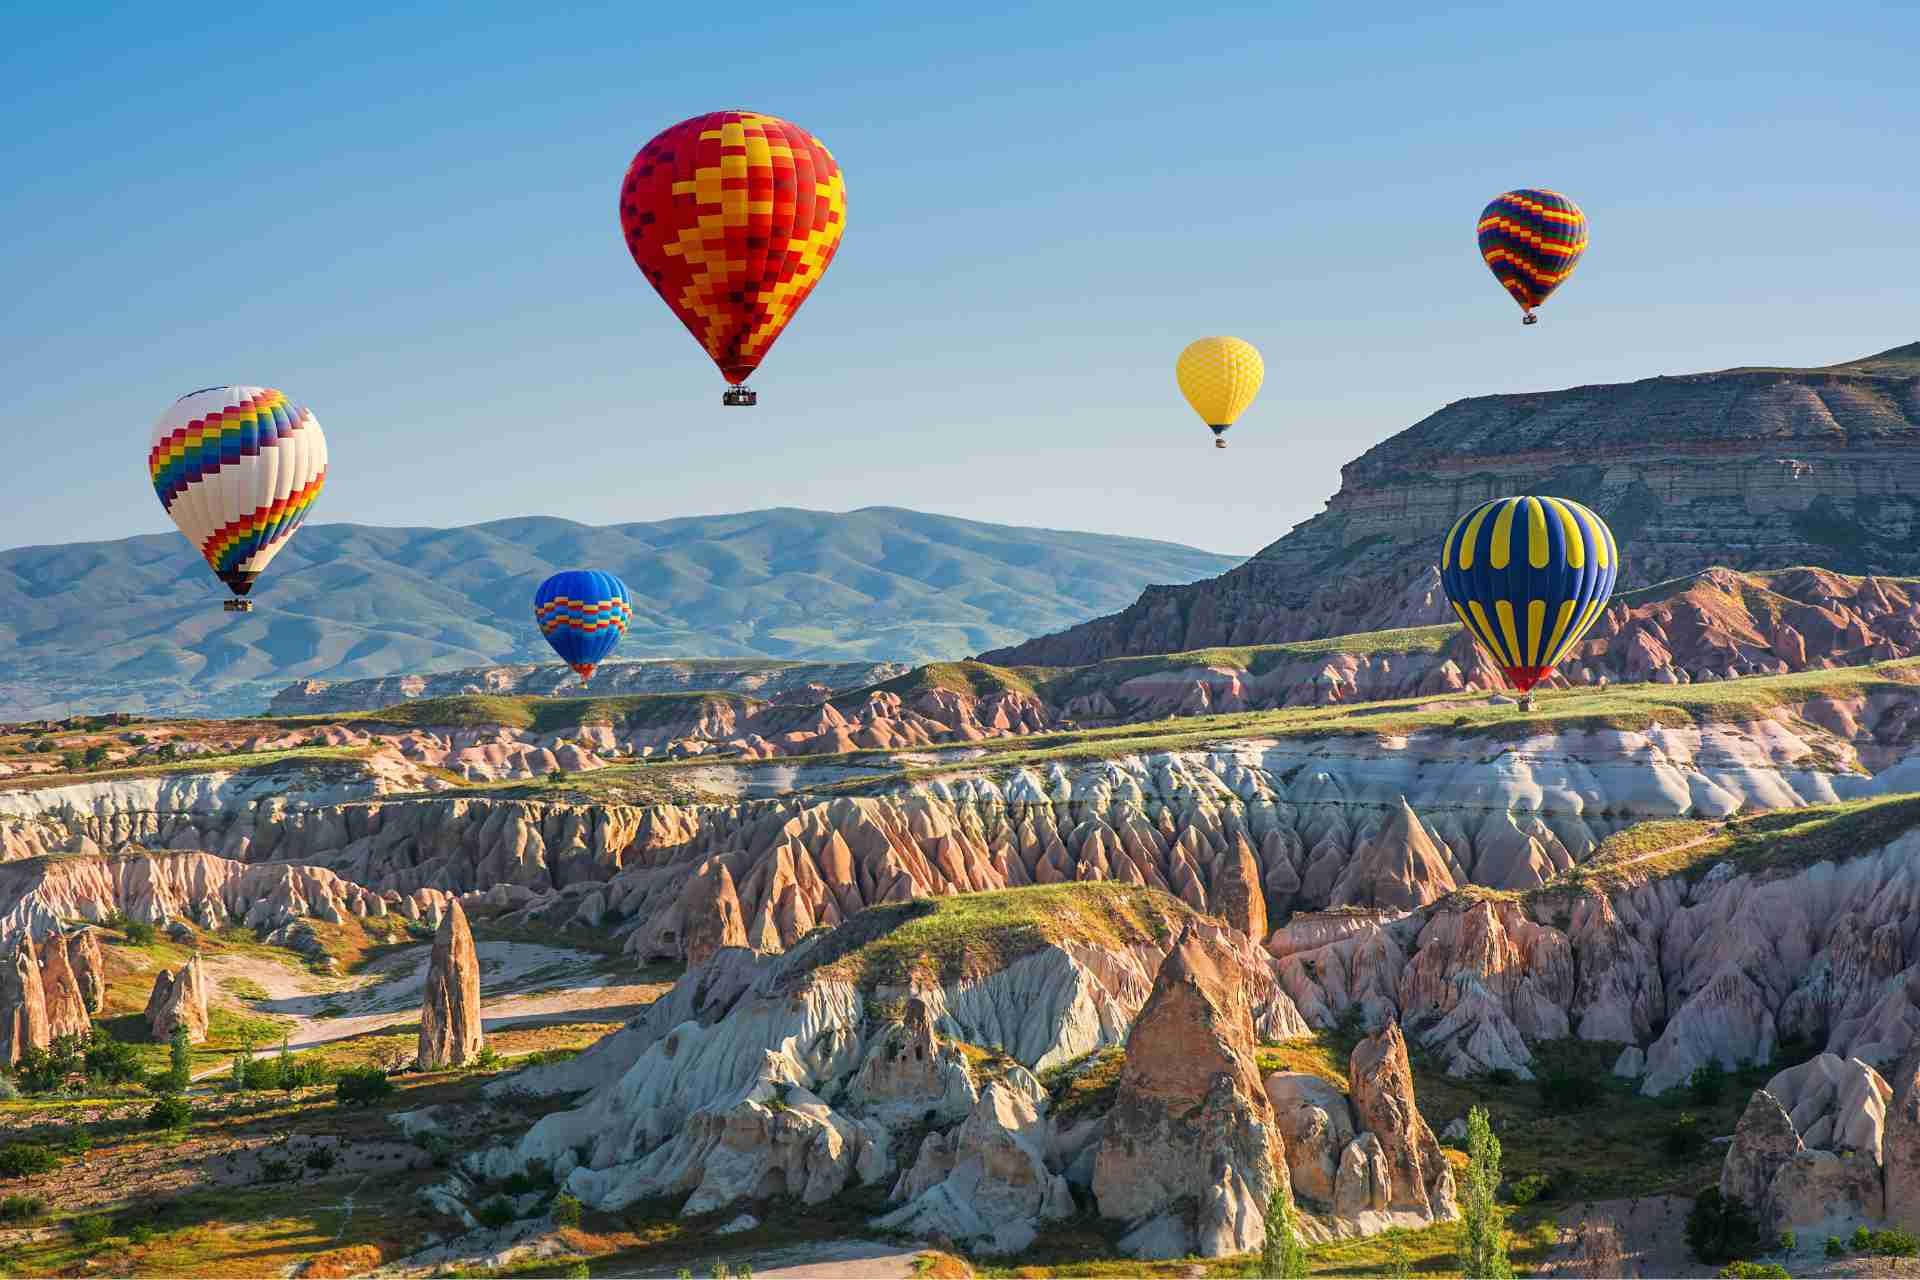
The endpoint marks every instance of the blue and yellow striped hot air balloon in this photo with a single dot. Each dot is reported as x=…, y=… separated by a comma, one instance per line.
x=1531, y=240
x=1528, y=577
x=583, y=613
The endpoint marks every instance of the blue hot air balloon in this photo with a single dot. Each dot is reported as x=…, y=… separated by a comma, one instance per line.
x=1528, y=576
x=583, y=613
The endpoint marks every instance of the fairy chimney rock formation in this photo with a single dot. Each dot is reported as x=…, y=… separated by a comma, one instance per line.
x=179, y=999
x=66, y=1006
x=23, y=1005
x=89, y=970
x=450, y=1016
x=1189, y=1156
x=1381, y=1081
x=710, y=908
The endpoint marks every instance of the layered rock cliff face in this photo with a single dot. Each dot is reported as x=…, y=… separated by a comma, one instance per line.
x=773, y=681
x=1749, y=468
x=39, y=896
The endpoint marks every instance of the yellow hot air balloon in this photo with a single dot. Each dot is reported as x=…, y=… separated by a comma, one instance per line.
x=1220, y=377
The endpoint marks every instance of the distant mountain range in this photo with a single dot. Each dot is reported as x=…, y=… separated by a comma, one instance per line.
x=1753, y=468
x=137, y=625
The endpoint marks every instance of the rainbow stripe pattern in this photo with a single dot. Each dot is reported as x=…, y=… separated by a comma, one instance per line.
x=238, y=469
x=583, y=613
x=1528, y=577
x=1531, y=240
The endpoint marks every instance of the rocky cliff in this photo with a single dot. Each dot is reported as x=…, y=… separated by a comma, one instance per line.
x=1747, y=467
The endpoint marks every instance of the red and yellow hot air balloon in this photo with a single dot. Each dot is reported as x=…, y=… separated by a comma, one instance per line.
x=734, y=216
x=1531, y=239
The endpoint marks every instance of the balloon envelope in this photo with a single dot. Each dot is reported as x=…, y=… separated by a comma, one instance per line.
x=1528, y=577
x=583, y=613
x=1220, y=377
x=238, y=469
x=1530, y=239
x=734, y=216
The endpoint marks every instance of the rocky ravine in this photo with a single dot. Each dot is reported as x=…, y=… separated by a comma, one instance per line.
x=1747, y=467
x=765, y=1075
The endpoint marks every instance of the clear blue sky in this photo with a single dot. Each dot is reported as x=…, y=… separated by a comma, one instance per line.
x=405, y=218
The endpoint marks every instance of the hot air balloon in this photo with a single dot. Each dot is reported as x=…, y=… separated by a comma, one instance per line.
x=734, y=216
x=1528, y=576
x=1531, y=240
x=1220, y=377
x=583, y=613
x=237, y=468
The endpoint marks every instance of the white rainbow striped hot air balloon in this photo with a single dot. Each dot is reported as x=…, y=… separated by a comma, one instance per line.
x=237, y=468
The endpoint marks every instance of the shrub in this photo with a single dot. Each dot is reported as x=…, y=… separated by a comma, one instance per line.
x=535, y=1177
x=1721, y=1228
x=488, y=1059
x=43, y=1069
x=111, y=1061
x=277, y=1169
x=494, y=1213
x=96, y=755
x=1861, y=1239
x=1708, y=1084
x=1502, y=1076
x=9, y=1091
x=21, y=1208
x=1562, y=1092
x=1683, y=1139
x=71, y=761
x=141, y=1233
x=91, y=1229
x=1890, y=1243
x=362, y=1086
x=1526, y=1190
x=1789, y=1241
x=140, y=933
x=169, y=1113
x=1754, y=1271
x=1836, y=1248
x=578, y=1270
x=79, y=1142
x=321, y=1159
x=566, y=1210
x=24, y=1159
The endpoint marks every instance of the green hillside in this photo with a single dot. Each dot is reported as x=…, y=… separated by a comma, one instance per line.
x=347, y=601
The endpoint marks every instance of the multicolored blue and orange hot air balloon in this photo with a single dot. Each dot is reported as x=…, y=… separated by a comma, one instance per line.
x=238, y=469
x=734, y=216
x=1528, y=576
x=583, y=613
x=1530, y=240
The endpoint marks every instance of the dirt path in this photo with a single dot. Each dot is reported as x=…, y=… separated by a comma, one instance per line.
x=520, y=983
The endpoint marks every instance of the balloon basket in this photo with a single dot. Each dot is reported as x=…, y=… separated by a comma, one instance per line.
x=1219, y=443
x=239, y=606
x=740, y=397
x=1529, y=318
x=1526, y=702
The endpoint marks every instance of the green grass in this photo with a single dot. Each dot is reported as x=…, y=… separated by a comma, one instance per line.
x=978, y=679
x=971, y=934
x=1084, y=1087
x=1764, y=844
x=547, y=715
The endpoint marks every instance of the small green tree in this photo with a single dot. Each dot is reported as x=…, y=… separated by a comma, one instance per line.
x=96, y=755
x=1399, y=1265
x=286, y=1075
x=179, y=1062
x=243, y=1071
x=1282, y=1257
x=1483, y=1239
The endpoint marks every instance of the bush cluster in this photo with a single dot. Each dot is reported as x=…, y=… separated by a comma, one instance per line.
x=24, y=1159
x=362, y=1086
